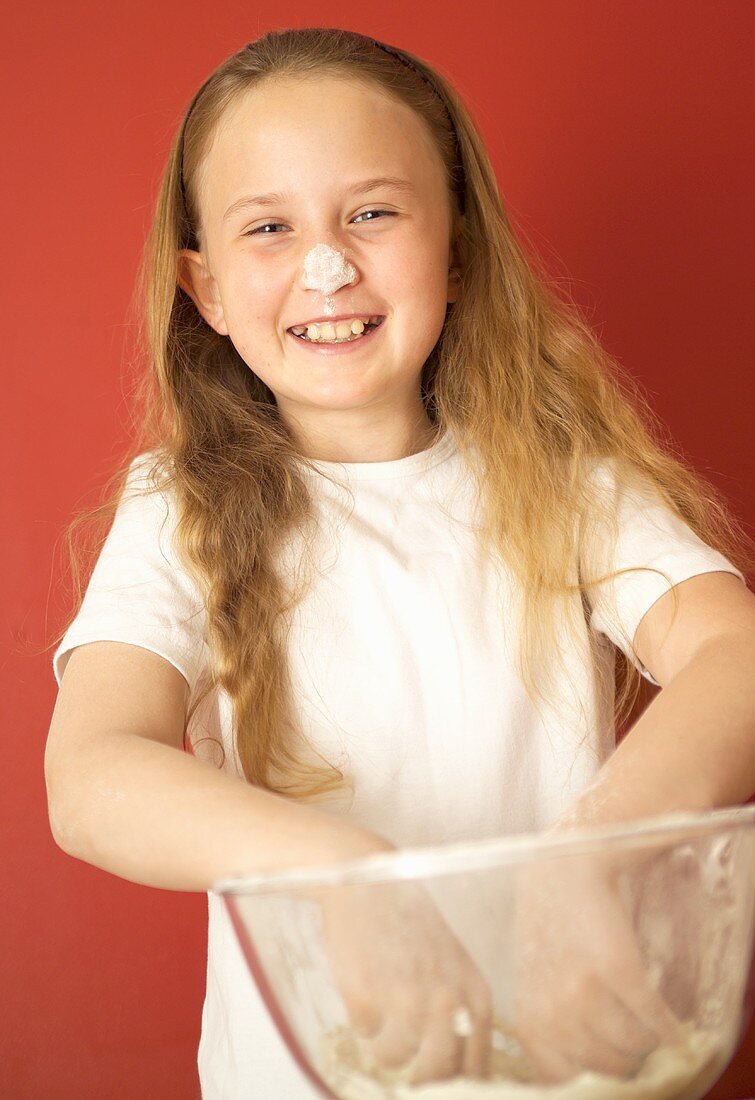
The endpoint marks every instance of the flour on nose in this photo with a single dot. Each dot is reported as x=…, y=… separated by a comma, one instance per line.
x=326, y=269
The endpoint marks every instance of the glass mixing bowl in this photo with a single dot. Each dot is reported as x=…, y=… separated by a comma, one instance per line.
x=609, y=964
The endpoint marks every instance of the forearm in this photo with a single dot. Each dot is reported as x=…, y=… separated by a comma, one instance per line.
x=692, y=749
x=157, y=816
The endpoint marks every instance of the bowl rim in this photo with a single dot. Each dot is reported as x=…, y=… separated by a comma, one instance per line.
x=472, y=855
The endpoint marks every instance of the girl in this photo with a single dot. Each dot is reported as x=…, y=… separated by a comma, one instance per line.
x=390, y=519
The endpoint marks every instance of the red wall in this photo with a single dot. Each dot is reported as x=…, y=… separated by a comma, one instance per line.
x=618, y=131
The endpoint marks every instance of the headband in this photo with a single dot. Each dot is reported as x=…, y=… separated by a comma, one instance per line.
x=461, y=183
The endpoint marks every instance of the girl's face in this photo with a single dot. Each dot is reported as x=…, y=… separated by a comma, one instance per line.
x=315, y=142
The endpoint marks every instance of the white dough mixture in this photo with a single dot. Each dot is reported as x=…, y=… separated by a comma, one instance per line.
x=666, y=1074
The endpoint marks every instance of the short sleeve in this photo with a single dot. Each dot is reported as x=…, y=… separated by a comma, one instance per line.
x=651, y=536
x=138, y=592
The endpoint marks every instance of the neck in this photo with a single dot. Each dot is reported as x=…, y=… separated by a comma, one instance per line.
x=376, y=441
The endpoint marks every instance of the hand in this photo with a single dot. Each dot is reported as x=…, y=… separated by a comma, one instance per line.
x=403, y=974
x=583, y=999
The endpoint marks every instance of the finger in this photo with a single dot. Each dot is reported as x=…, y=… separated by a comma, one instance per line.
x=634, y=988
x=440, y=1052
x=476, y=1050
x=630, y=981
x=591, y=1052
x=399, y=1037
x=547, y=1062
x=364, y=1014
x=572, y=1041
x=618, y=1027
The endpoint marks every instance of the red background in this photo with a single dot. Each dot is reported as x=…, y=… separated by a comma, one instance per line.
x=618, y=131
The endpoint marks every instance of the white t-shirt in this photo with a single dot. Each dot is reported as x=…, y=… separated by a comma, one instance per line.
x=402, y=661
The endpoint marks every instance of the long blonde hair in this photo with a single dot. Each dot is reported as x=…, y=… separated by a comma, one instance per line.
x=517, y=379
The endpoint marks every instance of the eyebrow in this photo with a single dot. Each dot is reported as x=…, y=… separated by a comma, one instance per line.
x=276, y=198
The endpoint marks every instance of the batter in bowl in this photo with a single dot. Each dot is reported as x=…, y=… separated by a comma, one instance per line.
x=666, y=1074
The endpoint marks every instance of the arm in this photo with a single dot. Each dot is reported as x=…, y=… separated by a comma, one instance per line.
x=123, y=796
x=694, y=746
x=154, y=815
x=692, y=749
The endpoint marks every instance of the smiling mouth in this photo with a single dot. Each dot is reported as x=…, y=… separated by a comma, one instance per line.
x=352, y=338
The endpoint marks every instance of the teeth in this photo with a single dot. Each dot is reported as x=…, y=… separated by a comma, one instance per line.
x=328, y=332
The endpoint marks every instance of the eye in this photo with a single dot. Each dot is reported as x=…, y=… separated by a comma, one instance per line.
x=258, y=230
x=388, y=213
x=270, y=225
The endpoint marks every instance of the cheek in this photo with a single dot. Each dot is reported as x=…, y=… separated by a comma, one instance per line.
x=252, y=303
x=422, y=290
x=422, y=272
x=255, y=274
x=261, y=361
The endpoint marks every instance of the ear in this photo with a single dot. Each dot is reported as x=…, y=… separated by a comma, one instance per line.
x=195, y=279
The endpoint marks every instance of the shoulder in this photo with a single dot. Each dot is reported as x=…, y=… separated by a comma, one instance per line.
x=149, y=481
x=145, y=509
x=148, y=469
x=612, y=486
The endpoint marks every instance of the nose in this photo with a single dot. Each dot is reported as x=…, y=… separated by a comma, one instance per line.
x=326, y=269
